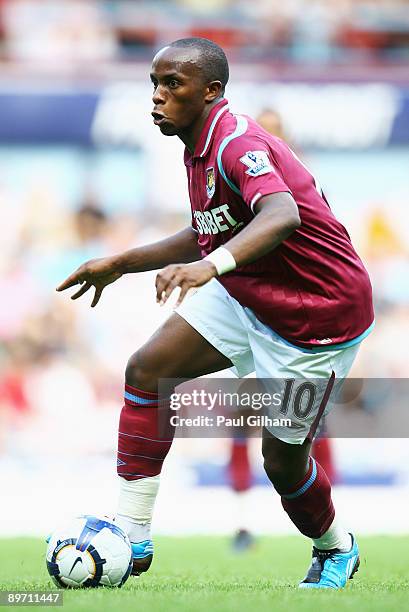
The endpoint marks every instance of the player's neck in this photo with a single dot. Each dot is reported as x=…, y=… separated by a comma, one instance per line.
x=191, y=135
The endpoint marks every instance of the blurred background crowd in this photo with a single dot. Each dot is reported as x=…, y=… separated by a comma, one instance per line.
x=296, y=30
x=83, y=174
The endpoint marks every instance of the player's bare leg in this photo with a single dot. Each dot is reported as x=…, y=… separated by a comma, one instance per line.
x=176, y=350
x=305, y=492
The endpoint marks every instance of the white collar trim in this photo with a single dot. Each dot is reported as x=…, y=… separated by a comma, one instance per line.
x=212, y=126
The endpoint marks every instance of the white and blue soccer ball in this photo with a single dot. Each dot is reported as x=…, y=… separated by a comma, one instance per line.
x=89, y=551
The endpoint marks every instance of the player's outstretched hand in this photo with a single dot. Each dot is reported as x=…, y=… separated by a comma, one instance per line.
x=97, y=273
x=185, y=276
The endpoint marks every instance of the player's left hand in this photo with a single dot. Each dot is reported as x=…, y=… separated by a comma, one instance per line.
x=185, y=276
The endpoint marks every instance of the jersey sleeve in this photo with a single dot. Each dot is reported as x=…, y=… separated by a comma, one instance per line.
x=248, y=166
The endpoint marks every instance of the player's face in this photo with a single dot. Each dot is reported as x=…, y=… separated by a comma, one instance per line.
x=180, y=94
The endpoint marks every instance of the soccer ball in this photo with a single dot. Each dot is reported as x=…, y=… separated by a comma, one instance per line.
x=89, y=552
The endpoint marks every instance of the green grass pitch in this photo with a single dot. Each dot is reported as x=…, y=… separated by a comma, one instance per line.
x=202, y=574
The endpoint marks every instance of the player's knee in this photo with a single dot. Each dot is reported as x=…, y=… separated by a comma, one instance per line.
x=146, y=367
x=282, y=472
x=140, y=372
x=277, y=467
x=274, y=469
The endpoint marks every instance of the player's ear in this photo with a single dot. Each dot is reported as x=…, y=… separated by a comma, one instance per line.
x=213, y=91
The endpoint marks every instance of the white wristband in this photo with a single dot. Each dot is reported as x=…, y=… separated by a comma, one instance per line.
x=222, y=259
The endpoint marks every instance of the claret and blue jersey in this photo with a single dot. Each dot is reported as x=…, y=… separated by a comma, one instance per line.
x=313, y=289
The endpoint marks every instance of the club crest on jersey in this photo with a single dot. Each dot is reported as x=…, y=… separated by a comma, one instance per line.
x=210, y=182
x=257, y=163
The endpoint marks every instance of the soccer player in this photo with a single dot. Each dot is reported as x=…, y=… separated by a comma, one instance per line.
x=280, y=290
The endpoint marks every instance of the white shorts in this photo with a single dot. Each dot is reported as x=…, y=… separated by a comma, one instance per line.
x=252, y=346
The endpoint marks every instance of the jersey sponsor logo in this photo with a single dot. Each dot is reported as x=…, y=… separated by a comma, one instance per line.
x=257, y=163
x=210, y=182
x=215, y=220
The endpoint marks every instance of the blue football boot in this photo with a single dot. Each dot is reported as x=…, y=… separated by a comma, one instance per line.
x=142, y=553
x=331, y=569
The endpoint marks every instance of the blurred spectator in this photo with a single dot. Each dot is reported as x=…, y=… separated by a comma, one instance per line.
x=15, y=358
x=20, y=297
x=85, y=232
x=58, y=30
x=90, y=223
x=2, y=30
x=272, y=122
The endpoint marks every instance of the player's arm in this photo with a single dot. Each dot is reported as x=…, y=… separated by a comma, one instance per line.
x=276, y=218
x=181, y=248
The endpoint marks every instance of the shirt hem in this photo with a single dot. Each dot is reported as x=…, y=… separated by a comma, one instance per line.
x=330, y=347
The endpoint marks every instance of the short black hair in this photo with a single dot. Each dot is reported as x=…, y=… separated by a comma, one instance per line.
x=213, y=60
